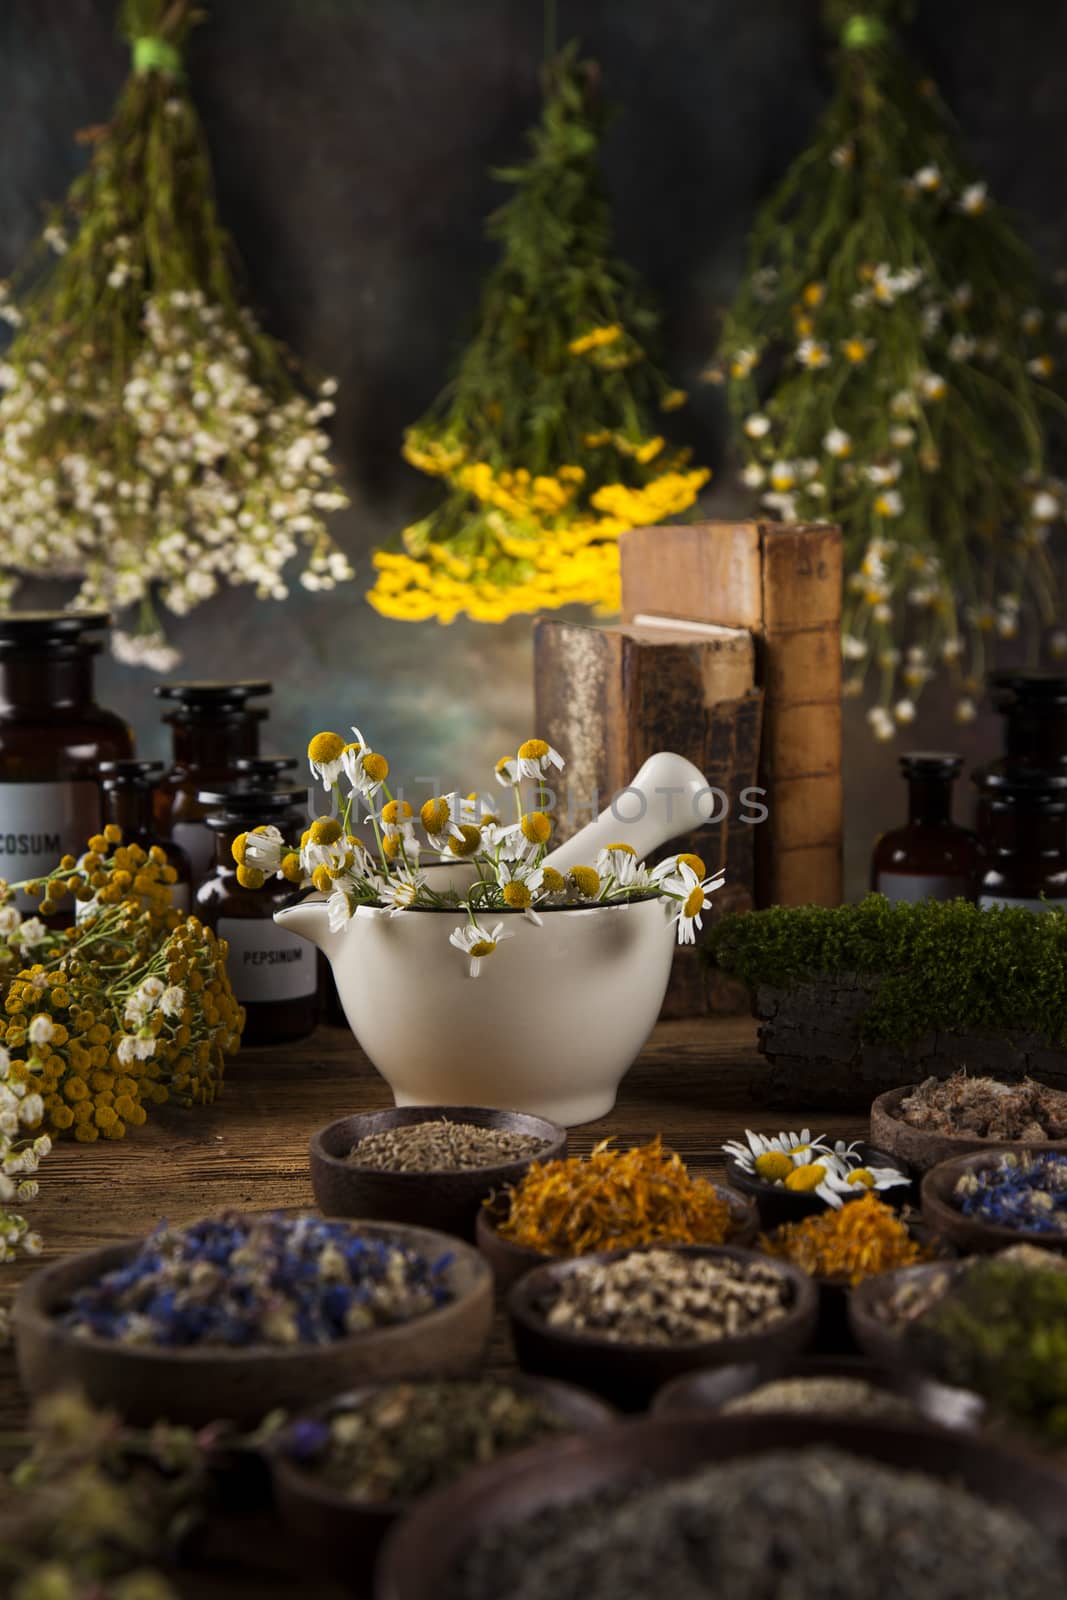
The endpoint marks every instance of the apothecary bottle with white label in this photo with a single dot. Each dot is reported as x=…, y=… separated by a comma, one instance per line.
x=274, y=973
x=213, y=726
x=930, y=857
x=53, y=736
x=1024, y=839
x=127, y=788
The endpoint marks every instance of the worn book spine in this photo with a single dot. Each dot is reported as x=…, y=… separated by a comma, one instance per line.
x=782, y=581
x=608, y=698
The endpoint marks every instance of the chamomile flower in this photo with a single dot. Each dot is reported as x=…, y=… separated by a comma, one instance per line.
x=263, y=849
x=478, y=943
x=848, y=1177
x=520, y=888
x=618, y=862
x=324, y=757
x=536, y=758
x=400, y=891
x=506, y=771
x=773, y=1157
x=365, y=770
x=837, y=443
x=693, y=894
x=974, y=199
x=338, y=910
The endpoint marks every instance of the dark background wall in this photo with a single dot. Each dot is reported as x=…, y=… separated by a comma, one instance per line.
x=351, y=141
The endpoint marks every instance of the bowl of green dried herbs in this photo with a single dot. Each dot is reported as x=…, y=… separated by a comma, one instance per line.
x=345, y=1471
x=623, y=1322
x=740, y=1506
x=429, y=1166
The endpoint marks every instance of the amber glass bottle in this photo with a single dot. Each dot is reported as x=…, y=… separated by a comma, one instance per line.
x=127, y=788
x=212, y=728
x=1024, y=838
x=275, y=973
x=1034, y=708
x=930, y=857
x=267, y=772
x=53, y=735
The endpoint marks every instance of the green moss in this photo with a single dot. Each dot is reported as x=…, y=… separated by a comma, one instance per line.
x=941, y=964
x=1002, y=1331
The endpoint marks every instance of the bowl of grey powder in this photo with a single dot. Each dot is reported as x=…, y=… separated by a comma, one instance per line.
x=428, y=1166
x=741, y=1508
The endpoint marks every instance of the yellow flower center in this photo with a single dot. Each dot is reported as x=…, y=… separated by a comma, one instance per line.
x=533, y=750
x=855, y=351
x=435, y=815
x=517, y=896
x=484, y=947
x=862, y=1177
x=321, y=879
x=694, y=902
x=237, y=848
x=804, y=1179
x=693, y=862
x=291, y=871
x=395, y=812
x=376, y=767
x=627, y=849
x=470, y=842
x=325, y=747
x=536, y=827
x=774, y=1166
x=813, y=294
x=586, y=881
x=324, y=830
x=503, y=764
x=554, y=881
x=391, y=845
x=250, y=877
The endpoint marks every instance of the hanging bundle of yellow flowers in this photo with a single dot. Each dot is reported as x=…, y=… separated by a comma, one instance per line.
x=548, y=443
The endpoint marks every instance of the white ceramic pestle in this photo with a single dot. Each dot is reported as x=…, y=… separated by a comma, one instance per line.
x=667, y=797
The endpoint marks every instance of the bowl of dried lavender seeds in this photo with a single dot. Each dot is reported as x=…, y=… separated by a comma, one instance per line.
x=346, y=1470
x=740, y=1508
x=235, y=1315
x=624, y=1322
x=850, y=1386
x=926, y=1123
x=430, y=1166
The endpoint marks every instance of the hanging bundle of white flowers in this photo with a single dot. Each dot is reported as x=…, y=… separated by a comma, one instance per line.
x=154, y=441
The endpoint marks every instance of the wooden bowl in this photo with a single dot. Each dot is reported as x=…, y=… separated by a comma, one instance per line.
x=511, y=1261
x=198, y=1385
x=715, y=1389
x=626, y=1372
x=921, y=1149
x=777, y=1205
x=877, y=1337
x=421, y=1551
x=969, y=1234
x=342, y=1535
x=447, y=1201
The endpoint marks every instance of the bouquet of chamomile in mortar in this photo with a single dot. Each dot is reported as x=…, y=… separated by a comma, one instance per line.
x=509, y=869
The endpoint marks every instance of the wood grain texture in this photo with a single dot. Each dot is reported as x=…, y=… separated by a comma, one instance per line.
x=694, y=1082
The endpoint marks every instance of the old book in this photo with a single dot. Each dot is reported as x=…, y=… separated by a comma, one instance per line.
x=608, y=698
x=782, y=582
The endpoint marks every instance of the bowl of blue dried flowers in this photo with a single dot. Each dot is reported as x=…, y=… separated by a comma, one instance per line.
x=997, y=1198
x=234, y=1316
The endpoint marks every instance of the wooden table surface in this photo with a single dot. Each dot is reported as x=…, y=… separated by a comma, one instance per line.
x=692, y=1082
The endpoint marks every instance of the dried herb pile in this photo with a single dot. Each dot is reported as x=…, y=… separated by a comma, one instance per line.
x=613, y=1200
x=984, y=1108
x=442, y=1146
x=858, y=1241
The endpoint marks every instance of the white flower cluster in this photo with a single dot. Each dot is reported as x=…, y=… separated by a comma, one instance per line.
x=150, y=996
x=20, y=1108
x=509, y=858
x=189, y=477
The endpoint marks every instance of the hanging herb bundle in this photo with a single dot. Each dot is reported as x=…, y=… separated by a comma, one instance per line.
x=548, y=442
x=153, y=439
x=890, y=368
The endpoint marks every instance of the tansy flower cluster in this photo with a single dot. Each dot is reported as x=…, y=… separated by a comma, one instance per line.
x=891, y=368
x=506, y=859
x=153, y=439
x=129, y=1008
x=548, y=445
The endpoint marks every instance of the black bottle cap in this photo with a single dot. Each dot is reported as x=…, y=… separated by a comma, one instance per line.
x=130, y=774
x=1009, y=689
x=265, y=768
x=250, y=805
x=51, y=631
x=1023, y=786
x=931, y=764
x=212, y=694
